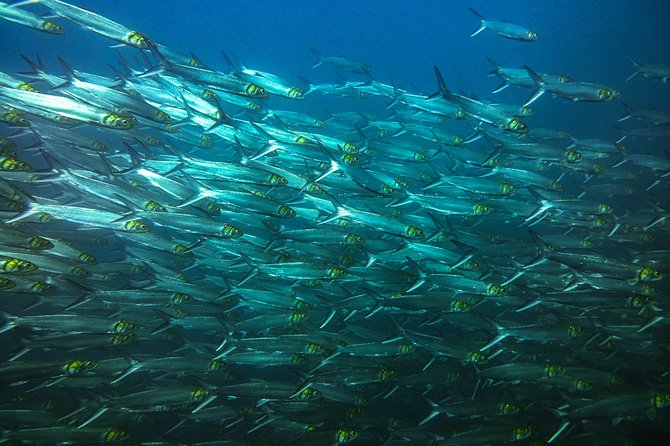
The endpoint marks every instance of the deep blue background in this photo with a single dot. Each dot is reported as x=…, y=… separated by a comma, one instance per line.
x=400, y=40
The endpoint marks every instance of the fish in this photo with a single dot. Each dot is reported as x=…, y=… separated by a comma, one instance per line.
x=505, y=29
x=483, y=112
x=189, y=252
x=573, y=91
x=25, y=18
x=655, y=71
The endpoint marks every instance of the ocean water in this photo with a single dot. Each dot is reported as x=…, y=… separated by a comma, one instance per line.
x=401, y=42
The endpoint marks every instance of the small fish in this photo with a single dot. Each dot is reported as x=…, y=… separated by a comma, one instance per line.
x=504, y=29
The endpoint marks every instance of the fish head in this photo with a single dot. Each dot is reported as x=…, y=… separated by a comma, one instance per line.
x=530, y=36
x=414, y=233
x=605, y=94
x=522, y=432
x=351, y=160
x=573, y=156
x=477, y=358
x=136, y=39
x=6, y=284
x=574, y=330
x=135, y=226
x=527, y=111
x=508, y=408
x=115, y=435
x=286, y=211
x=313, y=348
x=277, y=180
x=124, y=327
x=209, y=95
x=582, y=385
x=118, y=122
x=231, y=231
x=350, y=148
x=296, y=93
x=212, y=208
x=661, y=400
x=199, y=393
x=163, y=117
x=13, y=118
x=37, y=242
x=516, y=126
x=507, y=188
x=496, y=290
x=85, y=257
x=353, y=239
x=216, y=364
x=180, y=298
x=79, y=366
x=123, y=338
x=458, y=306
x=26, y=87
x=298, y=317
x=154, y=206
x=481, y=209
x=14, y=265
x=255, y=91
x=51, y=27
x=555, y=370
x=604, y=208
x=336, y=272
x=649, y=274
x=309, y=394
x=15, y=165
x=346, y=435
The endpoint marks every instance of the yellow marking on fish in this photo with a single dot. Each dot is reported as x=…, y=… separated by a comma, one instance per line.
x=17, y=266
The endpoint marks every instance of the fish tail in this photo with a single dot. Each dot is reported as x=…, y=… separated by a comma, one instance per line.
x=442, y=87
x=163, y=63
x=317, y=54
x=482, y=22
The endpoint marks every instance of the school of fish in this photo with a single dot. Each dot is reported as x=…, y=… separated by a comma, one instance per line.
x=182, y=262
